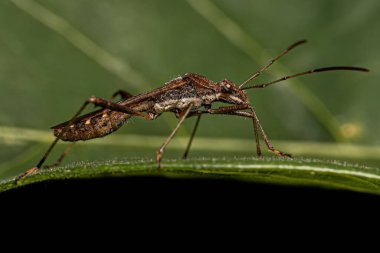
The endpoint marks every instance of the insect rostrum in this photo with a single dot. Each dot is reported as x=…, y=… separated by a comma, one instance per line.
x=190, y=95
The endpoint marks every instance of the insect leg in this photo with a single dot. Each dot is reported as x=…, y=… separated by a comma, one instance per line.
x=160, y=152
x=199, y=113
x=41, y=162
x=93, y=100
x=229, y=110
x=124, y=95
x=38, y=166
x=266, y=140
x=63, y=155
x=234, y=110
x=255, y=130
x=192, y=136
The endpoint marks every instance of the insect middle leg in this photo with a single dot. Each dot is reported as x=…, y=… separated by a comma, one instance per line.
x=192, y=137
x=183, y=116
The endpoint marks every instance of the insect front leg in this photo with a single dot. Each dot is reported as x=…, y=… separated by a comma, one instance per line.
x=231, y=110
x=257, y=126
x=236, y=110
x=266, y=140
x=199, y=114
x=183, y=116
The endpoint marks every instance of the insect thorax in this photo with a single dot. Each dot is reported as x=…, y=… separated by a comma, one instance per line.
x=181, y=98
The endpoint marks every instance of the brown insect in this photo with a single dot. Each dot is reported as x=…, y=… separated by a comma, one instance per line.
x=186, y=96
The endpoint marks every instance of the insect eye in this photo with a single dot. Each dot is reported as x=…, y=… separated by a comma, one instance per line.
x=226, y=86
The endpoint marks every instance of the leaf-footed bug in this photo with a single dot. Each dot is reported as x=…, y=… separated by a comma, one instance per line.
x=186, y=96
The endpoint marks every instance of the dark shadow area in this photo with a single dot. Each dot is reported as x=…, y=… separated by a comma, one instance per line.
x=155, y=191
x=155, y=202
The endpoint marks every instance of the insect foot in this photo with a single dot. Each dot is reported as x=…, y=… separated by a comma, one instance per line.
x=26, y=174
x=282, y=154
x=158, y=159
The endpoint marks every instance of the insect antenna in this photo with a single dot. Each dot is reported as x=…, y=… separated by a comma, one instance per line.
x=259, y=72
x=263, y=85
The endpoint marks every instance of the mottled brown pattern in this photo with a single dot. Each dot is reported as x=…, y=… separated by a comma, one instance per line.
x=99, y=126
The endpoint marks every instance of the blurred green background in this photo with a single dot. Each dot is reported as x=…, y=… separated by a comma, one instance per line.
x=55, y=54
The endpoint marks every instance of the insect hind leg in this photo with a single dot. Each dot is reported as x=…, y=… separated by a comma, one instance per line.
x=123, y=94
x=96, y=101
x=62, y=156
x=40, y=163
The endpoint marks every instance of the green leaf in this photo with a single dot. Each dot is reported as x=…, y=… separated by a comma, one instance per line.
x=302, y=172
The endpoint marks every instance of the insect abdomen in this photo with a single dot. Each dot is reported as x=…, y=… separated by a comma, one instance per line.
x=90, y=126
